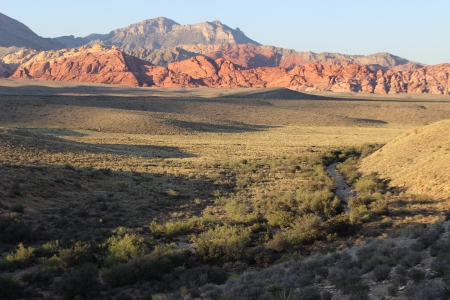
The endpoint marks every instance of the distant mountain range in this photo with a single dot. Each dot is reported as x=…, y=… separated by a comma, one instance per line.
x=161, y=52
x=14, y=33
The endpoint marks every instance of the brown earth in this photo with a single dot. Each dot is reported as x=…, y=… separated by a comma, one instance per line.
x=110, y=65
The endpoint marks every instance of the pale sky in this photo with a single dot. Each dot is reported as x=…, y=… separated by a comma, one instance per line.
x=416, y=30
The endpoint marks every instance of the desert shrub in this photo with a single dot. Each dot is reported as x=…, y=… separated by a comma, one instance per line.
x=9, y=287
x=278, y=243
x=260, y=255
x=416, y=275
x=161, y=261
x=22, y=257
x=380, y=207
x=410, y=258
x=14, y=230
x=169, y=229
x=76, y=256
x=411, y=231
x=349, y=169
x=43, y=277
x=381, y=272
x=48, y=249
x=202, y=222
x=203, y=275
x=79, y=283
x=426, y=240
x=441, y=246
x=309, y=293
x=342, y=225
x=392, y=290
x=225, y=241
x=348, y=281
x=386, y=222
x=123, y=247
x=305, y=229
x=17, y=208
x=369, y=184
x=360, y=214
x=239, y=212
x=400, y=270
x=432, y=290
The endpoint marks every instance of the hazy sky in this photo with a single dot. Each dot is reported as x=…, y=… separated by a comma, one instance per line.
x=413, y=29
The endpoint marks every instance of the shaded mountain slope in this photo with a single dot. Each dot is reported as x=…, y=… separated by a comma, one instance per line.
x=14, y=33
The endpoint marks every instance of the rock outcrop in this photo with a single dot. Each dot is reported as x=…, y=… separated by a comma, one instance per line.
x=14, y=33
x=162, y=33
x=110, y=65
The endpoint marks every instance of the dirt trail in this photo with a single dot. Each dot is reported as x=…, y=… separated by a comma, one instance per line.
x=343, y=190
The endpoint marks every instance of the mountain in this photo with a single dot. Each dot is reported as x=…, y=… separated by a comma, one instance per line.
x=110, y=65
x=14, y=33
x=162, y=41
x=417, y=160
x=162, y=32
x=253, y=56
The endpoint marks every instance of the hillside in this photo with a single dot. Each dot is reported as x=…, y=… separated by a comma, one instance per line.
x=14, y=33
x=102, y=64
x=417, y=160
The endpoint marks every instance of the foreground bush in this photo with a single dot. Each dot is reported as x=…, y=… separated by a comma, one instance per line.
x=9, y=288
x=80, y=283
x=154, y=266
x=226, y=241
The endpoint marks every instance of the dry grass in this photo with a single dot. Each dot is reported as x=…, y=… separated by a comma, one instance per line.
x=418, y=160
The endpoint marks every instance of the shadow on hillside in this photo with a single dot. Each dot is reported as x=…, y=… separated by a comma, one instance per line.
x=234, y=127
x=97, y=199
x=43, y=143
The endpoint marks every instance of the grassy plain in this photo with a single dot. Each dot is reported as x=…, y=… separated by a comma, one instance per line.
x=79, y=160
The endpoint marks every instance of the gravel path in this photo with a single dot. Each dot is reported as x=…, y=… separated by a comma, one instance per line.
x=343, y=190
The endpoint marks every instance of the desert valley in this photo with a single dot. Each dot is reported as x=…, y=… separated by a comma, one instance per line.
x=168, y=161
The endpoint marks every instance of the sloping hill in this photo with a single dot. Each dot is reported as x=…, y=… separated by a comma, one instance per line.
x=14, y=33
x=418, y=160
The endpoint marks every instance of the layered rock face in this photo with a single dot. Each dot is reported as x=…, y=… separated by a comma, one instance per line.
x=254, y=56
x=110, y=65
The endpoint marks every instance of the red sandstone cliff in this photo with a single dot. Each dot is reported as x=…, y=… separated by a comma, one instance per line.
x=106, y=65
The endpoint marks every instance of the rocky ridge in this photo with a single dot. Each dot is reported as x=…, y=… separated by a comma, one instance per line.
x=162, y=33
x=110, y=65
x=253, y=56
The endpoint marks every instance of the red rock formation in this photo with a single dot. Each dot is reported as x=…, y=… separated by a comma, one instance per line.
x=112, y=66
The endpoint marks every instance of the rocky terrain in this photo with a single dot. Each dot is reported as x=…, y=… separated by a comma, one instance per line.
x=110, y=65
x=14, y=33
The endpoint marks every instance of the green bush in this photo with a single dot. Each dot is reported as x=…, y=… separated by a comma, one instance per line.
x=225, y=241
x=169, y=229
x=80, y=283
x=306, y=229
x=22, y=257
x=76, y=256
x=14, y=230
x=122, y=248
x=154, y=266
x=9, y=287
